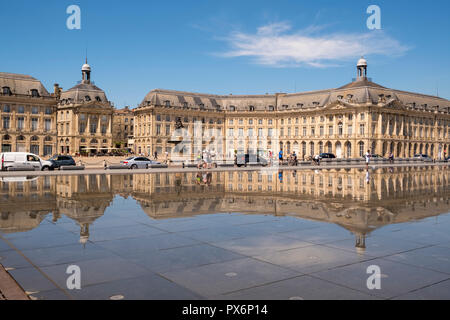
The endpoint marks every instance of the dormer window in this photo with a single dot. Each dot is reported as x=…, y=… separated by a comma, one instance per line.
x=167, y=103
x=34, y=93
x=87, y=98
x=185, y=104
x=202, y=106
x=218, y=107
x=232, y=108
x=6, y=90
x=251, y=108
x=271, y=108
x=97, y=98
x=285, y=106
x=349, y=96
x=340, y=97
x=299, y=105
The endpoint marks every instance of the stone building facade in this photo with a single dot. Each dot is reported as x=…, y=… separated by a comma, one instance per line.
x=27, y=114
x=346, y=121
x=123, y=128
x=84, y=118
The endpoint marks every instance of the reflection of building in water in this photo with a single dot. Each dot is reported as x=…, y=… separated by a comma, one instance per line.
x=83, y=199
x=338, y=196
x=25, y=202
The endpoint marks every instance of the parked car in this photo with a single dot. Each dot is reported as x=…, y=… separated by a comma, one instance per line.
x=138, y=162
x=423, y=157
x=327, y=156
x=243, y=159
x=20, y=160
x=57, y=161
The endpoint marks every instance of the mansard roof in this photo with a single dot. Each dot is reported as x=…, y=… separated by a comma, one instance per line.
x=21, y=84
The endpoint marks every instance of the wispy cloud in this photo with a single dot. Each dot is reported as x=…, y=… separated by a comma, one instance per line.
x=276, y=45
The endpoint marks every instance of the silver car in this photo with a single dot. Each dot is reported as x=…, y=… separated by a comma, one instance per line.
x=138, y=163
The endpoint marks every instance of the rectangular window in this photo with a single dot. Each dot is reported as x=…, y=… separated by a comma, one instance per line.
x=260, y=132
x=269, y=132
x=34, y=124
x=48, y=124
x=304, y=131
x=230, y=132
x=48, y=110
x=20, y=123
x=158, y=129
x=6, y=122
x=361, y=129
x=350, y=130
x=21, y=109
x=330, y=130
x=167, y=130
x=250, y=132
x=6, y=109
x=34, y=110
x=241, y=132
x=321, y=131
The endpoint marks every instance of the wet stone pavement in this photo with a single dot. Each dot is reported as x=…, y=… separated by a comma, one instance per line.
x=282, y=235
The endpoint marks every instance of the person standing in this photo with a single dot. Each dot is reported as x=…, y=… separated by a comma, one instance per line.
x=367, y=156
x=280, y=156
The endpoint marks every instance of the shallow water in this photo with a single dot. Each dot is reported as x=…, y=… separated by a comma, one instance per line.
x=230, y=235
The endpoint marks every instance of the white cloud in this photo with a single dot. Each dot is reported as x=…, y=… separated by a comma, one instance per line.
x=272, y=45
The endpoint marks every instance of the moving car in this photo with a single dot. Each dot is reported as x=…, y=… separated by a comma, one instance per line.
x=423, y=157
x=327, y=156
x=57, y=161
x=243, y=159
x=138, y=162
x=20, y=160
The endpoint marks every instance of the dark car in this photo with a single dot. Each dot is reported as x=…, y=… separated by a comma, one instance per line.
x=57, y=161
x=327, y=156
x=243, y=159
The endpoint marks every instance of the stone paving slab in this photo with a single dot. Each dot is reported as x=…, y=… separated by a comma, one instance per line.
x=9, y=289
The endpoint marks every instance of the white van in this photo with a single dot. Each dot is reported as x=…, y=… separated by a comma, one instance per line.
x=20, y=160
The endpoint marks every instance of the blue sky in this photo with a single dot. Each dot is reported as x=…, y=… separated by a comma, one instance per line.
x=239, y=47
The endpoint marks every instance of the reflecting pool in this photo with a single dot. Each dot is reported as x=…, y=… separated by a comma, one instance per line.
x=230, y=235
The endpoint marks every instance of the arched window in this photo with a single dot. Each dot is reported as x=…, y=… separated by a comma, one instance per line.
x=34, y=138
x=47, y=139
x=6, y=137
x=232, y=108
x=20, y=138
x=97, y=98
x=251, y=108
x=94, y=141
x=6, y=90
x=87, y=98
x=271, y=108
x=34, y=93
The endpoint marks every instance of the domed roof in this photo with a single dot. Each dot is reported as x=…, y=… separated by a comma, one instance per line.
x=86, y=67
x=362, y=62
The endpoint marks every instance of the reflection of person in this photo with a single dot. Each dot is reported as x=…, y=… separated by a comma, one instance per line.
x=367, y=176
x=280, y=176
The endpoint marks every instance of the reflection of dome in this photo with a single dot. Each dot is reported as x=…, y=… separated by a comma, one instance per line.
x=360, y=250
x=362, y=62
x=84, y=239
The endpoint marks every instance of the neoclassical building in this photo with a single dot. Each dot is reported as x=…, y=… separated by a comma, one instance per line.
x=27, y=114
x=84, y=118
x=346, y=121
